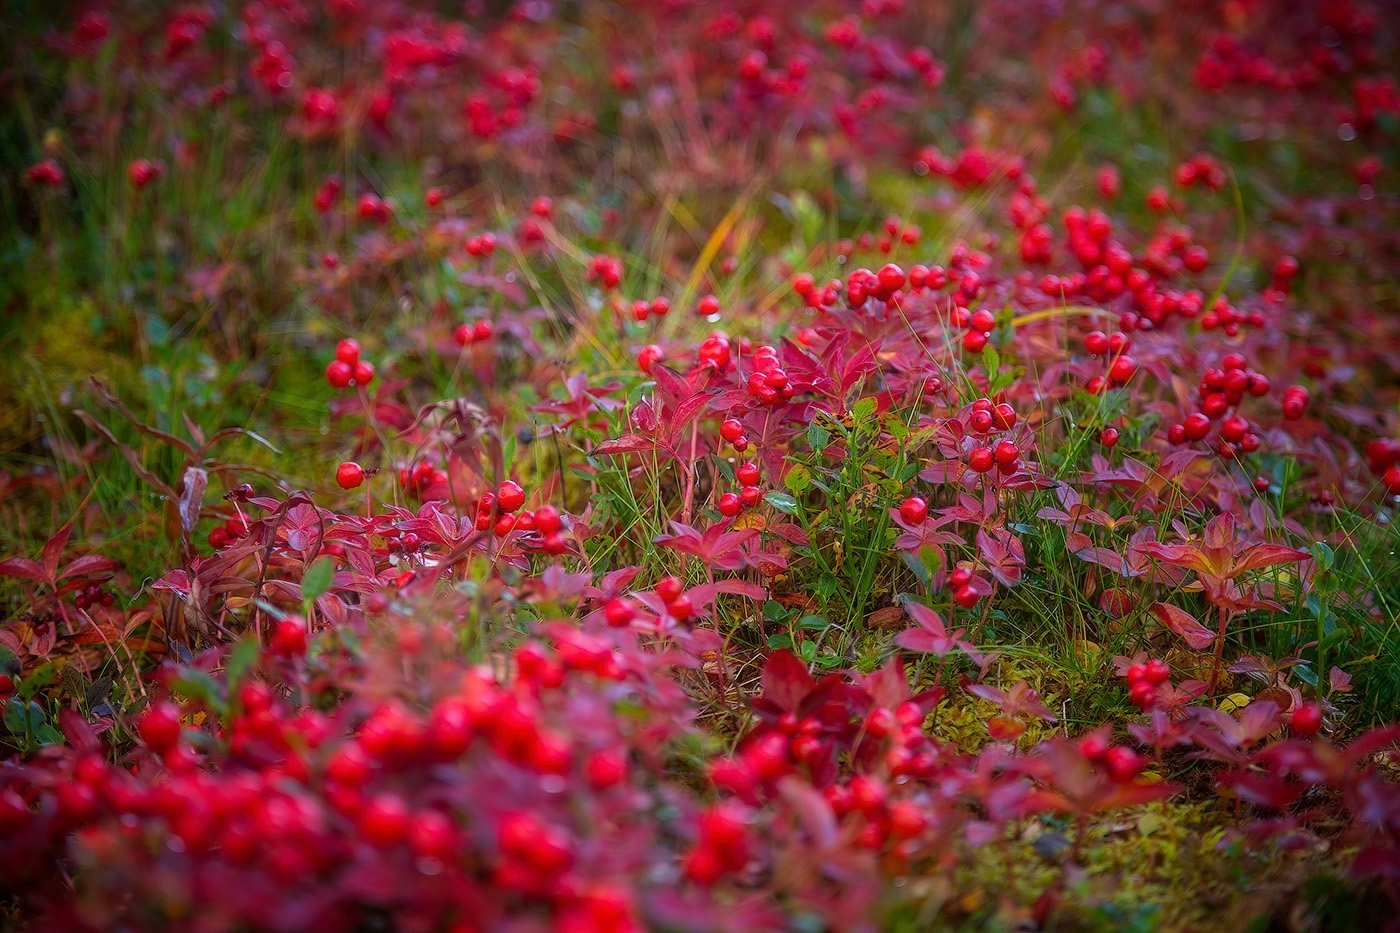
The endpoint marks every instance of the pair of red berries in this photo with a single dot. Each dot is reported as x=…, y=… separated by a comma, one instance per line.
x=1005, y=458
x=732, y=430
x=482, y=245
x=986, y=416
x=372, y=207
x=672, y=593
x=963, y=593
x=605, y=270
x=465, y=334
x=1144, y=679
x=1098, y=343
x=979, y=328
x=1295, y=402
x=347, y=369
x=1121, y=763
x=657, y=307
x=731, y=504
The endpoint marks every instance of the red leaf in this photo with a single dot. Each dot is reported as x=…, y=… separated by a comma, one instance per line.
x=1184, y=624
x=786, y=680
x=1267, y=555
x=625, y=444
x=22, y=567
x=89, y=563
x=53, y=550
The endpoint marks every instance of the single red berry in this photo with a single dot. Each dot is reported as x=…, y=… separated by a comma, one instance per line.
x=965, y=596
x=1158, y=671
x=731, y=429
x=547, y=519
x=349, y=475
x=647, y=356
x=348, y=351
x=1096, y=342
x=748, y=474
x=1007, y=453
x=983, y=320
x=289, y=638
x=159, y=727
x=913, y=510
x=384, y=820
x=1122, y=369
x=729, y=505
x=1136, y=673
x=960, y=577
x=1004, y=416
x=1108, y=437
x=981, y=460
x=669, y=589
x=363, y=373
x=974, y=341
x=619, y=612
x=510, y=496
x=1307, y=719
x=708, y=305
x=339, y=374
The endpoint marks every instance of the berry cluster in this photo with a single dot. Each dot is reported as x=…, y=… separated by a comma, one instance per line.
x=347, y=370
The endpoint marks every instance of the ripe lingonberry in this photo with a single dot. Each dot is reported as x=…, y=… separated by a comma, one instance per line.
x=747, y=474
x=913, y=510
x=349, y=475
x=1307, y=719
x=510, y=496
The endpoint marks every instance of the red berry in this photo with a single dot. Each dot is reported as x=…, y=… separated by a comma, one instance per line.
x=965, y=596
x=1122, y=369
x=349, y=475
x=1307, y=719
x=729, y=505
x=339, y=374
x=647, y=356
x=619, y=611
x=159, y=727
x=348, y=351
x=1136, y=673
x=731, y=429
x=669, y=589
x=1123, y=763
x=1158, y=671
x=1108, y=437
x=1096, y=342
x=289, y=638
x=974, y=341
x=363, y=373
x=708, y=305
x=1007, y=453
x=547, y=519
x=748, y=474
x=510, y=496
x=983, y=320
x=913, y=510
x=384, y=820
x=981, y=460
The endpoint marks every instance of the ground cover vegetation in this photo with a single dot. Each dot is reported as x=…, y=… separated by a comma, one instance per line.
x=700, y=466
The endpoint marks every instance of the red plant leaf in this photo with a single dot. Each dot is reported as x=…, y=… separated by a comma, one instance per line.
x=1185, y=625
x=53, y=551
x=22, y=567
x=88, y=563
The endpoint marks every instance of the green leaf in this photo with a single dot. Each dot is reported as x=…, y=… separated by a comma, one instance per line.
x=241, y=659
x=817, y=437
x=318, y=580
x=780, y=640
x=991, y=359
x=1324, y=556
x=48, y=735
x=782, y=502
x=8, y=662
x=23, y=718
x=798, y=479
x=774, y=611
x=197, y=685
x=917, y=566
x=863, y=410
x=814, y=623
x=43, y=675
